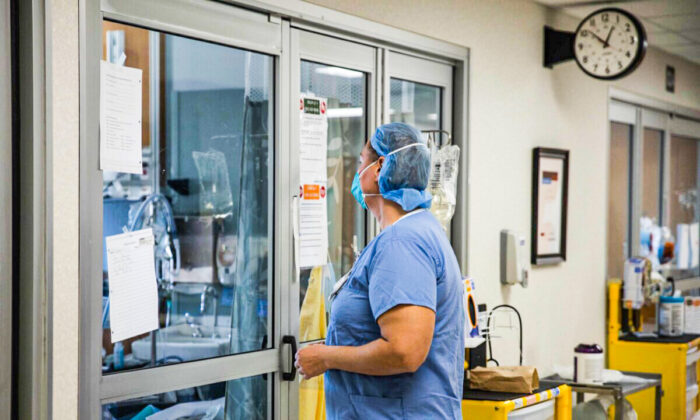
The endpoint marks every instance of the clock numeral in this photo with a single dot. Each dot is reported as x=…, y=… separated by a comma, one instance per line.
x=632, y=40
x=628, y=54
x=585, y=59
x=628, y=27
x=580, y=46
x=618, y=18
x=595, y=67
x=592, y=22
x=604, y=17
x=619, y=65
x=584, y=33
x=607, y=70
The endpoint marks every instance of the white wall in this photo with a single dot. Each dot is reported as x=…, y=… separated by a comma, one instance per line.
x=515, y=105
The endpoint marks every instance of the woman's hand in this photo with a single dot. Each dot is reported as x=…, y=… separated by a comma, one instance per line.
x=310, y=360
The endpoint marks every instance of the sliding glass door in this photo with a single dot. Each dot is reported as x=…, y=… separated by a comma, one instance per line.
x=209, y=195
x=227, y=96
x=343, y=75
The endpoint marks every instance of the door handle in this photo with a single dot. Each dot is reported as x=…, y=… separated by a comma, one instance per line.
x=291, y=340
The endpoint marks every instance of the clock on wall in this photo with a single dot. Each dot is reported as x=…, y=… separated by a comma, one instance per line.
x=608, y=44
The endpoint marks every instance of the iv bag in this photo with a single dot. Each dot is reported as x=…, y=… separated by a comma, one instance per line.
x=215, y=197
x=443, y=182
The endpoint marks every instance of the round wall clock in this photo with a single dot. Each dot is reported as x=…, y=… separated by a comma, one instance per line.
x=609, y=44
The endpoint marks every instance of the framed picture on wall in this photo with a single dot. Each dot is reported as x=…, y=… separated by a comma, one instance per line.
x=550, y=187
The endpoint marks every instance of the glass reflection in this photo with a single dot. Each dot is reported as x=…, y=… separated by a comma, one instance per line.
x=345, y=91
x=684, y=215
x=618, y=197
x=206, y=192
x=415, y=103
x=217, y=401
x=652, y=154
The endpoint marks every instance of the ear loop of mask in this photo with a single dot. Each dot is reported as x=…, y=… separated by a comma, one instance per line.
x=389, y=154
x=362, y=172
x=406, y=147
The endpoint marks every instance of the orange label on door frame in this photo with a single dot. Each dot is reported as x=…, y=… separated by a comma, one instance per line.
x=312, y=192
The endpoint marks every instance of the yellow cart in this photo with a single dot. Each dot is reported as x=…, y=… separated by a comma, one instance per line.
x=674, y=358
x=495, y=408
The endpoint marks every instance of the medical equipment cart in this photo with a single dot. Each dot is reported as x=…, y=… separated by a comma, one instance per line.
x=487, y=405
x=674, y=358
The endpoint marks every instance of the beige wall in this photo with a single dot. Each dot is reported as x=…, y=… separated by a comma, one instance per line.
x=63, y=140
x=516, y=104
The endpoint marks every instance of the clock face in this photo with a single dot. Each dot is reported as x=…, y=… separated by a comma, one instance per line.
x=609, y=44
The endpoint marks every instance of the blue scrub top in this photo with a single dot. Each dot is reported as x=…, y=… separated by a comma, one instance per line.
x=408, y=263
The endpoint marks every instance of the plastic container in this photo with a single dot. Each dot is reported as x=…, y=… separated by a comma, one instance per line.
x=671, y=316
x=588, y=364
x=541, y=411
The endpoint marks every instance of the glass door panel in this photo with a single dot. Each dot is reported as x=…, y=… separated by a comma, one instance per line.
x=206, y=191
x=414, y=103
x=346, y=92
x=342, y=72
x=652, y=145
x=419, y=92
x=222, y=400
x=619, y=197
x=684, y=203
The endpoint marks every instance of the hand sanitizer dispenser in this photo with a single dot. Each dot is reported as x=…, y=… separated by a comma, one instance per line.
x=513, y=258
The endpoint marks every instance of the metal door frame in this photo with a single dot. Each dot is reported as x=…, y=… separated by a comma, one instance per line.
x=7, y=180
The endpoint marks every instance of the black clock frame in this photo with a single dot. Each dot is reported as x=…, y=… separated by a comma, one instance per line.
x=641, y=45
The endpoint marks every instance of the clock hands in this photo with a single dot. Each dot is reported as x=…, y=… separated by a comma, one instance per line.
x=607, y=39
x=598, y=38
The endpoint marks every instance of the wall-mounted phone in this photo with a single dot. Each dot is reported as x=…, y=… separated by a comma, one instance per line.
x=514, y=264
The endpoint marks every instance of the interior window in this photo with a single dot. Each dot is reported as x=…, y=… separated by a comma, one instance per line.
x=206, y=192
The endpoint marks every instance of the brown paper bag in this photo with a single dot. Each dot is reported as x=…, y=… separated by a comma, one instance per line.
x=520, y=379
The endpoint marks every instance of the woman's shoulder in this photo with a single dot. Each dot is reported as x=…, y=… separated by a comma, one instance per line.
x=422, y=226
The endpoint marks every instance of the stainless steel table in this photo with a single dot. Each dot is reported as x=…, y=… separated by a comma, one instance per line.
x=617, y=390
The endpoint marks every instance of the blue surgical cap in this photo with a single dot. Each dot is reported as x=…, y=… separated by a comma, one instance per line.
x=404, y=175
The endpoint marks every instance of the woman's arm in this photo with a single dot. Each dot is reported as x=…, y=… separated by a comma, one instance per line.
x=407, y=331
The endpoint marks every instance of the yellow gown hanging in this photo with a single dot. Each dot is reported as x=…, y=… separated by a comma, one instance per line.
x=312, y=326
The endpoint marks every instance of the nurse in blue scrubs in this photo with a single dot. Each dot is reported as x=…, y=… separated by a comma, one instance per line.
x=395, y=342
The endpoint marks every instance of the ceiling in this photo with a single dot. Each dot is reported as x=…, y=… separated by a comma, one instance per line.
x=671, y=25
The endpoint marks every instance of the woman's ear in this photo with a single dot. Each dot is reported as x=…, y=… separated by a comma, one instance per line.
x=380, y=163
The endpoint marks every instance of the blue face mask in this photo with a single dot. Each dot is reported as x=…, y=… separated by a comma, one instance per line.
x=356, y=188
x=357, y=191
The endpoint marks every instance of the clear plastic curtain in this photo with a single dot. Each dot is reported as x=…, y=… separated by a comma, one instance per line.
x=246, y=397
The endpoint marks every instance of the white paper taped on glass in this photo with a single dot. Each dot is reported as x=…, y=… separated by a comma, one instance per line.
x=313, y=215
x=133, y=291
x=120, y=118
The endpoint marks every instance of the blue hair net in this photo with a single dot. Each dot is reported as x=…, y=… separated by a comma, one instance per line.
x=404, y=175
